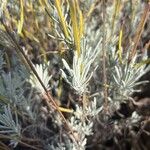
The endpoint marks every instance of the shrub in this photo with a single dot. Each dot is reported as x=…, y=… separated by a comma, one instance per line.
x=66, y=68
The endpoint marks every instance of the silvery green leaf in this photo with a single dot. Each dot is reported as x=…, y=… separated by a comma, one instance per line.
x=67, y=66
x=43, y=73
x=8, y=124
x=126, y=76
x=11, y=87
x=80, y=71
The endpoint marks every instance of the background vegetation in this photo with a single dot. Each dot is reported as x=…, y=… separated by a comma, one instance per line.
x=74, y=74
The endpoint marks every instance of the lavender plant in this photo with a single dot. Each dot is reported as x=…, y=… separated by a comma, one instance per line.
x=44, y=75
x=80, y=73
x=92, y=57
x=8, y=124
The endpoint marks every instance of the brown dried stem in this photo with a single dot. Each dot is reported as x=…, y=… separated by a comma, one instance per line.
x=5, y=137
x=140, y=29
x=104, y=56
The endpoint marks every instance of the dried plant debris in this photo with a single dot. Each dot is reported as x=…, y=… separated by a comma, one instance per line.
x=74, y=75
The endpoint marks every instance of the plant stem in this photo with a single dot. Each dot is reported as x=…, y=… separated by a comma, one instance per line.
x=19, y=141
x=104, y=56
x=140, y=29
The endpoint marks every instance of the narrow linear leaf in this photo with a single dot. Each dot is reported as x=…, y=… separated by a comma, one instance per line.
x=120, y=45
x=76, y=32
x=20, y=22
x=62, y=19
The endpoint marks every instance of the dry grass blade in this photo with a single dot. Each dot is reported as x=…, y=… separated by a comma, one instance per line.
x=20, y=23
x=120, y=46
x=62, y=19
x=116, y=12
x=76, y=25
x=43, y=3
x=140, y=29
x=81, y=24
x=92, y=8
